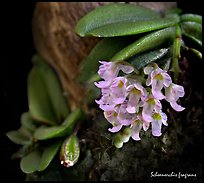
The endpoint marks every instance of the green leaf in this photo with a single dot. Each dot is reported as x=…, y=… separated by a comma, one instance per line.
x=112, y=14
x=48, y=154
x=176, y=53
x=191, y=18
x=196, y=52
x=70, y=151
x=18, y=137
x=31, y=162
x=148, y=42
x=39, y=101
x=54, y=88
x=192, y=41
x=142, y=60
x=131, y=28
x=192, y=29
x=27, y=121
x=104, y=50
x=44, y=133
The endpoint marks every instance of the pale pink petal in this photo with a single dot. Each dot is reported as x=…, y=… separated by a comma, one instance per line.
x=178, y=90
x=149, y=81
x=148, y=69
x=158, y=94
x=176, y=107
x=115, y=128
x=132, y=105
x=126, y=68
x=167, y=79
x=145, y=125
x=103, y=84
x=156, y=128
x=107, y=107
x=108, y=70
x=137, y=126
x=158, y=106
x=164, y=118
x=147, y=112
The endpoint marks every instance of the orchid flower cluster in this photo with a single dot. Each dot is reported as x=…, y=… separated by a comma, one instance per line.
x=134, y=101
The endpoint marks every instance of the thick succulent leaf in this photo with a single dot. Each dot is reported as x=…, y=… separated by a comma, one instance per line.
x=142, y=60
x=192, y=41
x=176, y=53
x=113, y=14
x=44, y=133
x=134, y=27
x=28, y=122
x=192, y=29
x=48, y=155
x=18, y=137
x=39, y=101
x=31, y=162
x=54, y=88
x=70, y=151
x=148, y=42
x=191, y=17
x=196, y=52
x=104, y=50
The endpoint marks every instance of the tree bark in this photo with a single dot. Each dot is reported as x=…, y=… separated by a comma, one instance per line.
x=56, y=41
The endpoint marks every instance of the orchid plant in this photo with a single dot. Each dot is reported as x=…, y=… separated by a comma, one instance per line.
x=139, y=58
x=129, y=74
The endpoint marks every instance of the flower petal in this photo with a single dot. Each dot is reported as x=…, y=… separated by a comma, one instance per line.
x=126, y=68
x=156, y=128
x=148, y=69
x=137, y=126
x=176, y=107
x=115, y=128
x=167, y=79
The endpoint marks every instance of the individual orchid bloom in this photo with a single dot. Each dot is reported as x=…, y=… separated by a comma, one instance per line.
x=103, y=84
x=157, y=120
x=111, y=116
x=136, y=93
x=124, y=117
x=106, y=102
x=110, y=70
x=137, y=125
x=118, y=90
x=113, y=95
x=158, y=78
x=173, y=93
x=150, y=105
x=136, y=128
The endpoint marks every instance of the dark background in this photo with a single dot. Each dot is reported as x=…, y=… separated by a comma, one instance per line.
x=16, y=51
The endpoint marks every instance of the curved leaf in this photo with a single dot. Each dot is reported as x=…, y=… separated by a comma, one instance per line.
x=38, y=98
x=111, y=14
x=31, y=162
x=70, y=151
x=104, y=50
x=48, y=155
x=44, y=133
x=193, y=29
x=191, y=17
x=194, y=42
x=142, y=60
x=54, y=88
x=18, y=138
x=196, y=52
x=151, y=41
x=27, y=121
x=134, y=27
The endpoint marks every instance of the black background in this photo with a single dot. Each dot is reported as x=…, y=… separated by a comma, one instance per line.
x=16, y=51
